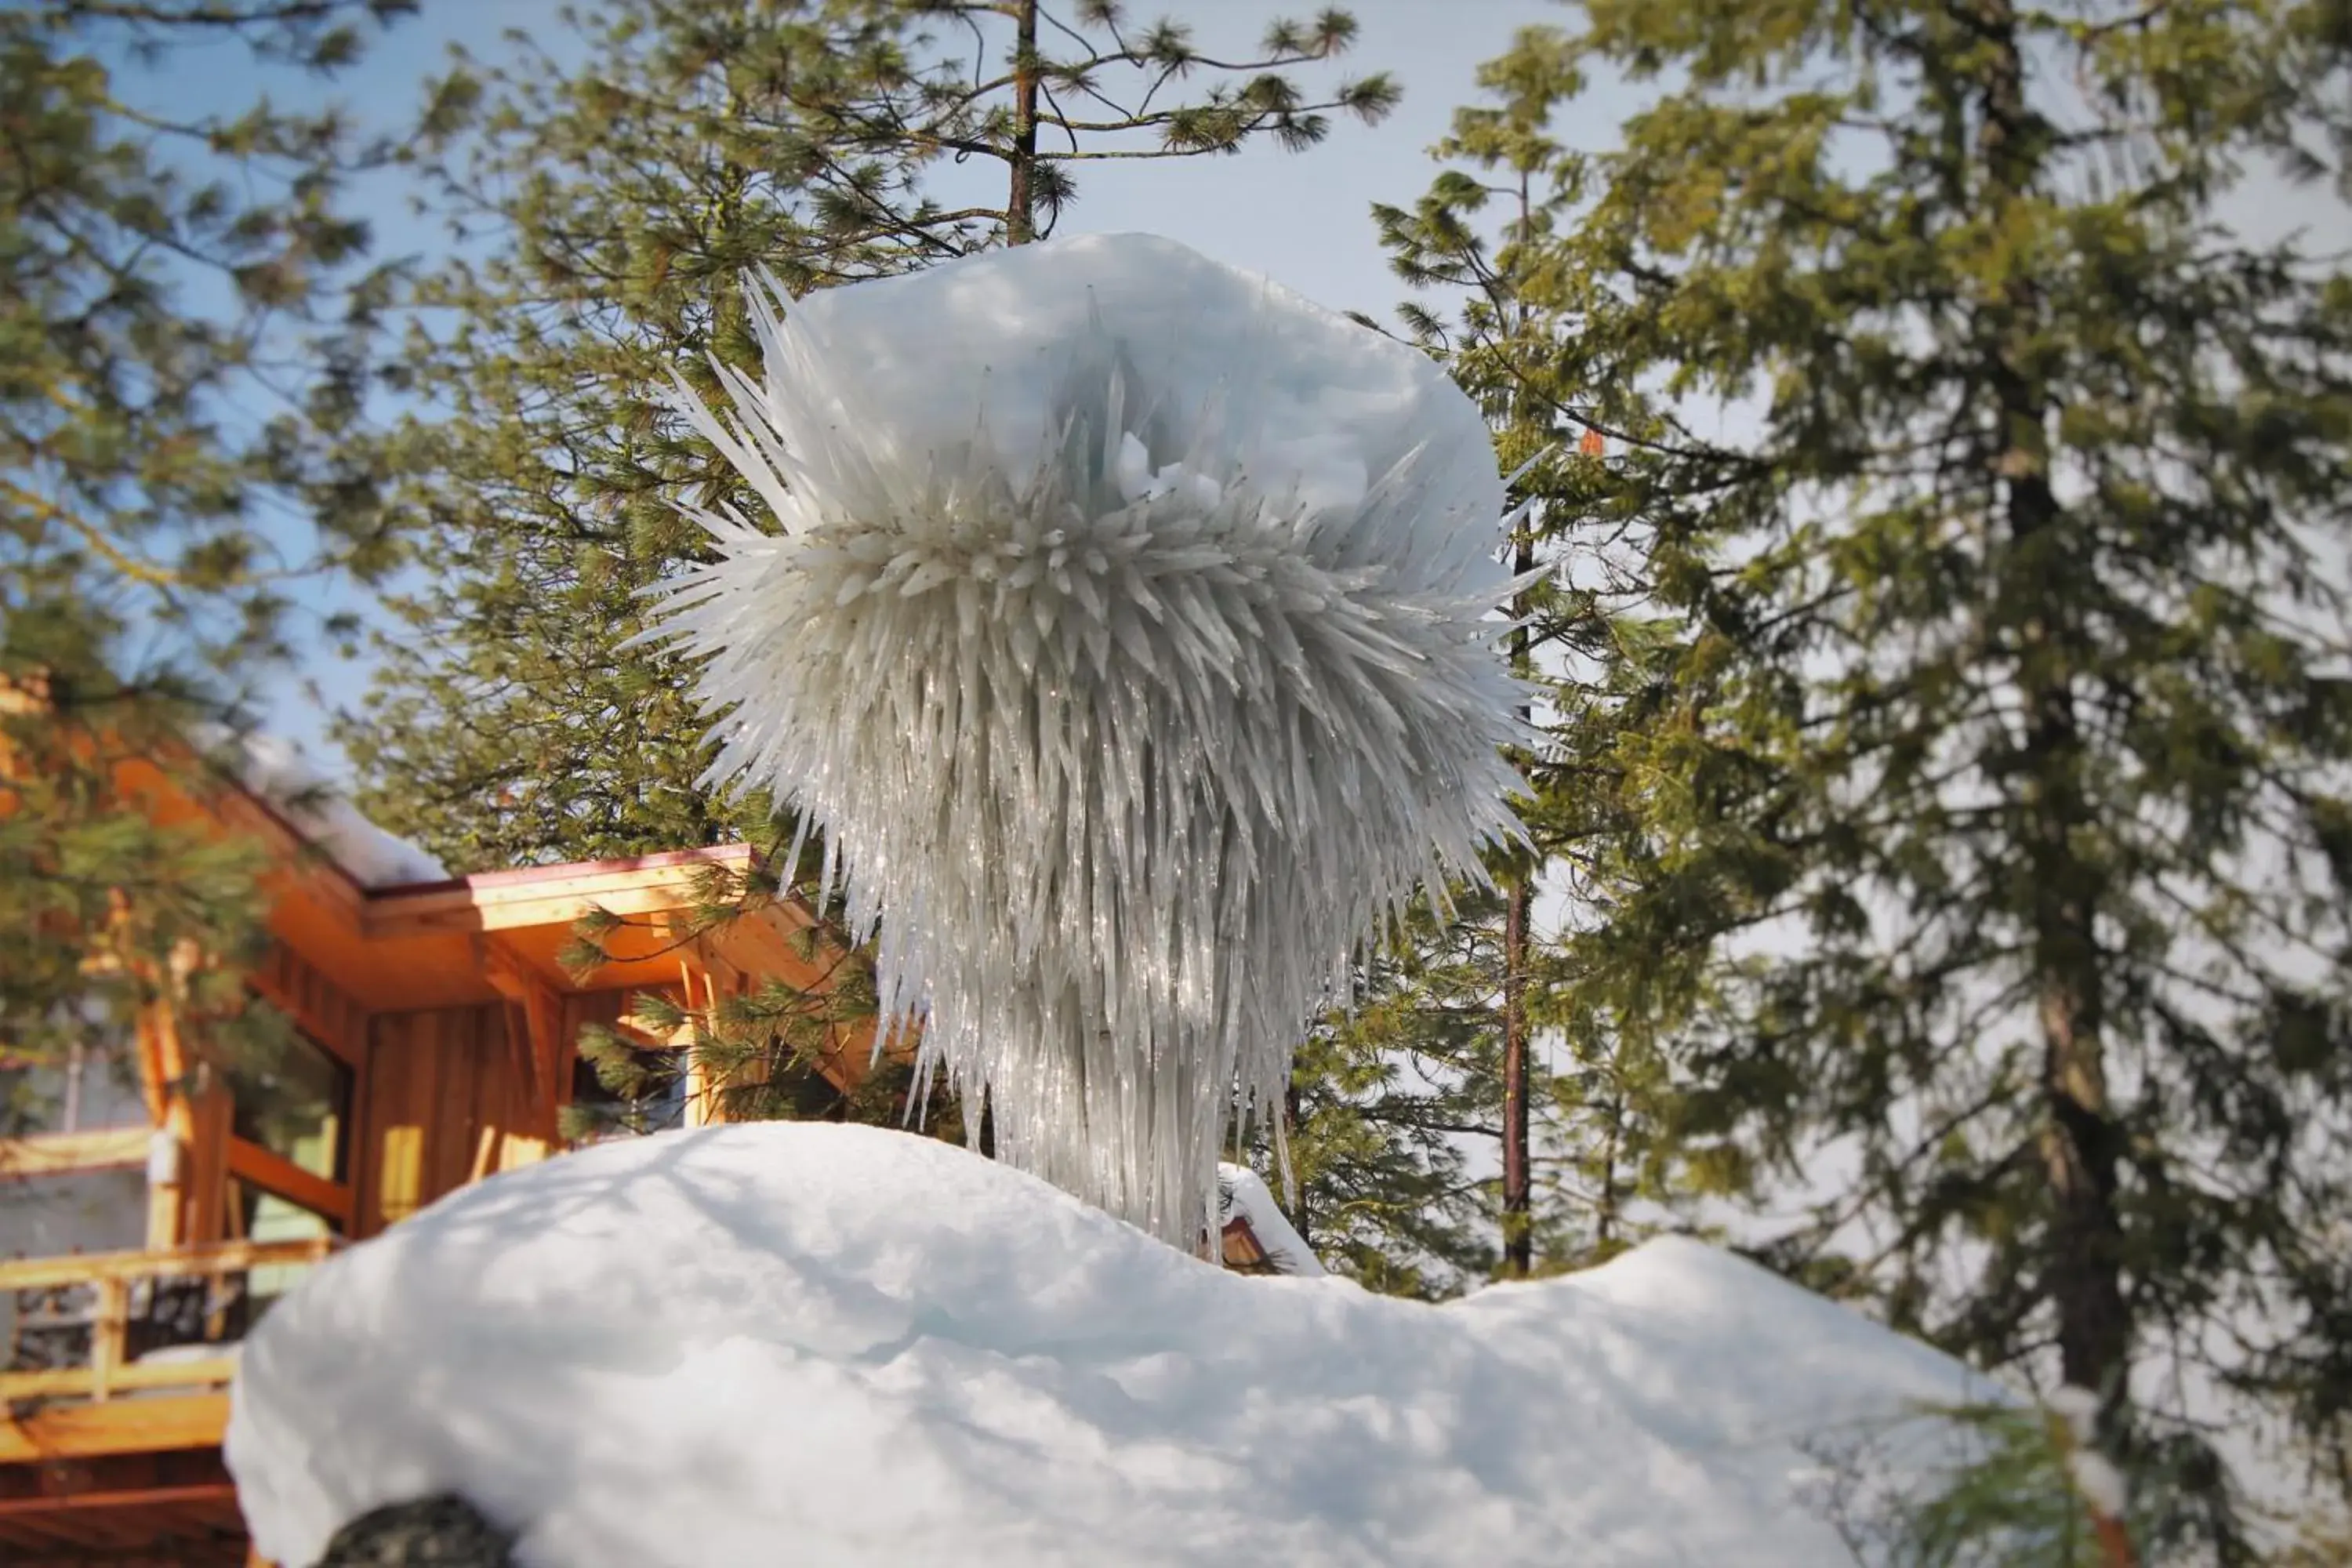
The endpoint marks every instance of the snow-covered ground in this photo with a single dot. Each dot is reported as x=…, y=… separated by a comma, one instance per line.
x=837, y=1345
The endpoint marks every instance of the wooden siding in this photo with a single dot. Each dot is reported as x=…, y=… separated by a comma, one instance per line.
x=323, y=1009
x=447, y=1102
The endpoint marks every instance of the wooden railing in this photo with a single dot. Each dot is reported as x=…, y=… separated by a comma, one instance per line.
x=108, y=1369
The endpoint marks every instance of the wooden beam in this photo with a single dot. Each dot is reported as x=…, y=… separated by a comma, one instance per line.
x=651, y=1035
x=155, y=1073
x=100, y=1502
x=322, y=1010
x=540, y=1047
x=273, y=1172
x=557, y=895
x=164, y=1064
x=213, y=1112
x=84, y=1382
x=488, y=1148
x=176, y=1263
x=783, y=925
x=716, y=970
x=117, y=1427
x=546, y=901
x=48, y=1153
x=109, y=1332
x=120, y=1473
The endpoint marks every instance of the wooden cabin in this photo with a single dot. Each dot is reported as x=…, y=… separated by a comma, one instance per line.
x=163, y=1201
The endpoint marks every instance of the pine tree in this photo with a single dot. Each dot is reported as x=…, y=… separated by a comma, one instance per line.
x=1389, y=1097
x=606, y=213
x=621, y=199
x=2000, y=797
x=186, y=326
x=1586, y=1158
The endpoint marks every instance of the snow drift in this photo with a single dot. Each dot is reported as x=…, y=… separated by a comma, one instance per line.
x=813, y=1344
x=1128, y=624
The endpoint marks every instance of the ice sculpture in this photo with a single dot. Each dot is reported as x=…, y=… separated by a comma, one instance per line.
x=1128, y=624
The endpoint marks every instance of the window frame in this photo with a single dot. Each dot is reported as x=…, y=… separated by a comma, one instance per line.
x=333, y=1199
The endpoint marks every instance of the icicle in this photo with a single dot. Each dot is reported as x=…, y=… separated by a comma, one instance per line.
x=1137, y=657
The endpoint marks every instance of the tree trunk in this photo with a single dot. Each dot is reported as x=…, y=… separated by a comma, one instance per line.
x=1518, y=1193
x=1604, y=1220
x=1518, y=1233
x=2080, y=1143
x=1290, y=1136
x=1021, y=204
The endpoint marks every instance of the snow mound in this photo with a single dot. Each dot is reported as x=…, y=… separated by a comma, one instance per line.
x=800, y=1343
x=278, y=772
x=1128, y=624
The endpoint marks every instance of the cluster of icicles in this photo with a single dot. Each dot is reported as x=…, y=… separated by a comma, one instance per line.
x=1121, y=754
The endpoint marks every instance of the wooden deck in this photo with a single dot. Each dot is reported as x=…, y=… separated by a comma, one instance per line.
x=106, y=1371
x=175, y=1507
x=437, y=1032
x=115, y=1459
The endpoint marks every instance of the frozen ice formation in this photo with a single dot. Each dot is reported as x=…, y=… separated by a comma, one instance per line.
x=1126, y=623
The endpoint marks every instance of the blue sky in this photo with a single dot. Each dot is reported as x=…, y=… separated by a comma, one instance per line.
x=1300, y=218
x=1303, y=219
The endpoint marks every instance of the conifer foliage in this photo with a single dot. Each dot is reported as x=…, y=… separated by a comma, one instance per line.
x=1511, y=1028
x=608, y=200
x=1993, y=817
x=608, y=205
x=184, y=337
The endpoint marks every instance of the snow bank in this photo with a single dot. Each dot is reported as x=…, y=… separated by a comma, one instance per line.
x=276, y=771
x=809, y=1343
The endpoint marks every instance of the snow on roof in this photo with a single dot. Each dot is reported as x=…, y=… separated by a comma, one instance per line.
x=845, y=1346
x=276, y=771
x=1247, y=1200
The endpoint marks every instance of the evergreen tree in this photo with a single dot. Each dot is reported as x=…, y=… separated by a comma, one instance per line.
x=186, y=326
x=1467, y=1014
x=616, y=202
x=1394, y=1105
x=607, y=212
x=1996, y=819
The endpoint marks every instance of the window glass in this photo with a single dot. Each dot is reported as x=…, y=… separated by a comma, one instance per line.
x=257, y=1216
x=599, y=1113
x=293, y=1097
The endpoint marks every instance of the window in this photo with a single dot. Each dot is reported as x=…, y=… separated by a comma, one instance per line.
x=257, y=1214
x=598, y=1112
x=293, y=1097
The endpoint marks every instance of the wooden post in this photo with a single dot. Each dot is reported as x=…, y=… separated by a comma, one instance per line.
x=107, y=1334
x=164, y=1062
x=702, y=1093
x=210, y=1117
